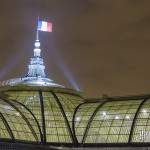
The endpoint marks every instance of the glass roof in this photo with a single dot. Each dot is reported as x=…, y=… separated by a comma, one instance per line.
x=61, y=116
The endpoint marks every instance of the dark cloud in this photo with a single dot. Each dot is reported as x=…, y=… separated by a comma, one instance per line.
x=104, y=44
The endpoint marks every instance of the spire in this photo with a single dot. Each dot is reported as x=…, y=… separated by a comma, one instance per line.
x=36, y=70
x=36, y=67
x=37, y=50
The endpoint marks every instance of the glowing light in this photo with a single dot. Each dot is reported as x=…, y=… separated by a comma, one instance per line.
x=37, y=44
x=30, y=98
x=67, y=114
x=63, y=67
x=104, y=113
x=17, y=114
x=69, y=76
x=144, y=111
x=37, y=52
x=77, y=118
x=117, y=117
x=127, y=117
x=11, y=63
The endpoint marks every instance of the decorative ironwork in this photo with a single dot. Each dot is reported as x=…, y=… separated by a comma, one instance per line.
x=7, y=126
x=91, y=119
x=65, y=118
x=74, y=115
x=43, y=117
x=134, y=120
x=98, y=104
x=26, y=120
x=39, y=128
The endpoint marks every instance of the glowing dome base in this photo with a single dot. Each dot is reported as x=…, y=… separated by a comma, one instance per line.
x=31, y=81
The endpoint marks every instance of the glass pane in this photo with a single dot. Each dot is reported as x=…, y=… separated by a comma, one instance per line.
x=69, y=103
x=55, y=122
x=16, y=122
x=141, y=132
x=82, y=117
x=112, y=123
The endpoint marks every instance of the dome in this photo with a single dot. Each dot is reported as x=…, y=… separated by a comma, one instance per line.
x=38, y=114
x=35, y=109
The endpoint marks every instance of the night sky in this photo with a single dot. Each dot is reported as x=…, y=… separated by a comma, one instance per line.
x=99, y=46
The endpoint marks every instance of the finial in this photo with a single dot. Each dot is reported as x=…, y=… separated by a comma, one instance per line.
x=37, y=31
x=37, y=50
x=37, y=44
x=36, y=66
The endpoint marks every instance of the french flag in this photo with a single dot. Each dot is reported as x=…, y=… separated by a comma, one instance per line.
x=44, y=26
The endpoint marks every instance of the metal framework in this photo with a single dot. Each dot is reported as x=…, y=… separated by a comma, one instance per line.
x=73, y=119
x=43, y=117
x=134, y=119
x=65, y=118
x=90, y=121
x=7, y=126
x=41, y=135
x=42, y=128
x=23, y=116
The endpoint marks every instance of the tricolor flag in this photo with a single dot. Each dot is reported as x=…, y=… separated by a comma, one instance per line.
x=44, y=26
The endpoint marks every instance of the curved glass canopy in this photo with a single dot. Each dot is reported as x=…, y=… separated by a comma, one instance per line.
x=45, y=114
x=58, y=115
x=114, y=120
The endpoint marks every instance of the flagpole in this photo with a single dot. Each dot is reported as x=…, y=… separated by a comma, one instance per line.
x=37, y=35
x=37, y=31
